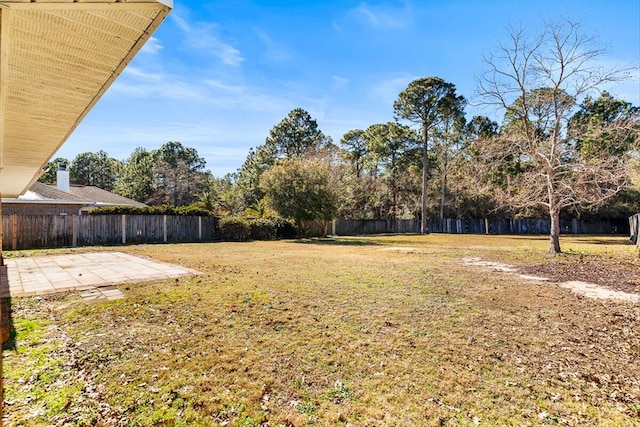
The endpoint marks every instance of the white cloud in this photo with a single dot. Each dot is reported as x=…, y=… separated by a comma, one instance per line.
x=339, y=81
x=156, y=86
x=139, y=73
x=383, y=17
x=273, y=51
x=221, y=86
x=227, y=54
x=180, y=21
x=205, y=93
x=246, y=98
x=152, y=46
x=202, y=38
x=386, y=91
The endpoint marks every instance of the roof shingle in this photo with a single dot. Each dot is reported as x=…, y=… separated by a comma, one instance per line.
x=102, y=197
x=82, y=193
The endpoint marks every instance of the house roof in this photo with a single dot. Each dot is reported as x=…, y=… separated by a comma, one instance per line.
x=102, y=197
x=78, y=194
x=57, y=58
x=40, y=191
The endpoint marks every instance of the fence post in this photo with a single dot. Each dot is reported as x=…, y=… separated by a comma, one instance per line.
x=199, y=228
x=164, y=228
x=124, y=229
x=14, y=234
x=74, y=230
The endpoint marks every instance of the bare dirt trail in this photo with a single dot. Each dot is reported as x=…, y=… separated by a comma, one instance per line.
x=588, y=289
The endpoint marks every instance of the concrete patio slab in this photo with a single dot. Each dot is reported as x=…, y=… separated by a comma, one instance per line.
x=93, y=274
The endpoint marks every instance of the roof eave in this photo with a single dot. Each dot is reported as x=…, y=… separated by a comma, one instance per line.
x=17, y=173
x=11, y=200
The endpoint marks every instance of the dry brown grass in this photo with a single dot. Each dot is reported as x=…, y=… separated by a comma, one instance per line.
x=388, y=330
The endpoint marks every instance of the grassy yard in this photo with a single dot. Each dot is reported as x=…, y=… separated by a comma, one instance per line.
x=376, y=331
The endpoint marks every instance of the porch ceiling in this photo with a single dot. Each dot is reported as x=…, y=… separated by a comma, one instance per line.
x=57, y=58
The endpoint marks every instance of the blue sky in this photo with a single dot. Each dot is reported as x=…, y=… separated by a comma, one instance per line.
x=218, y=75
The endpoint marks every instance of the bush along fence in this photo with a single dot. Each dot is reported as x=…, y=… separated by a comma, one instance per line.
x=49, y=231
x=355, y=227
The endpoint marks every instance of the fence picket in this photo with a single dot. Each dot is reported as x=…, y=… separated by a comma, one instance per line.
x=49, y=231
x=353, y=227
x=634, y=229
x=45, y=231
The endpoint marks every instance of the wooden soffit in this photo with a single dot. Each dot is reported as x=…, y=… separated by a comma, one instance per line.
x=57, y=58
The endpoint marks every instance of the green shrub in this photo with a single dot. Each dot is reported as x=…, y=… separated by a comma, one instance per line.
x=234, y=229
x=122, y=210
x=286, y=228
x=263, y=229
x=190, y=210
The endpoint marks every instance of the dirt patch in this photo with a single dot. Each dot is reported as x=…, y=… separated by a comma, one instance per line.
x=492, y=265
x=599, y=292
x=617, y=276
x=404, y=250
x=593, y=279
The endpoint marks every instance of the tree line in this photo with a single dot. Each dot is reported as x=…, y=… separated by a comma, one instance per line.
x=170, y=175
x=564, y=146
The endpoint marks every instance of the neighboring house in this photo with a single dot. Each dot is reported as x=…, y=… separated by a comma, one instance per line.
x=102, y=198
x=42, y=199
x=63, y=199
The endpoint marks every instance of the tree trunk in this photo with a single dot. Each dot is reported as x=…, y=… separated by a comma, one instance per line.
x=424, y=229
x=443, y=197
x=394, y=190
x=554, y=235
x=554, y=213
x=393, y=209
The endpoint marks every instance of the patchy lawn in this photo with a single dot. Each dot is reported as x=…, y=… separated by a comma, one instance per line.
x=387, y=330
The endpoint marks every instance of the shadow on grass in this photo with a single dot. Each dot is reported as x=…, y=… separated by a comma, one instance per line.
x=336, y=242
x=610, y=241
x=522, y=236
x=618, y=240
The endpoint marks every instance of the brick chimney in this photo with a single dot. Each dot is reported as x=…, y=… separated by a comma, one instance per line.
x=62, y=178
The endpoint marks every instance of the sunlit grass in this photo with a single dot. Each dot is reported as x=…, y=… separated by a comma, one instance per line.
x=385, y=330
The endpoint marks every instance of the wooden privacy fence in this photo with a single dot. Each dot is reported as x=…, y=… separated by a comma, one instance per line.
x=352, y=227
x=634, y=229
x=52, y=231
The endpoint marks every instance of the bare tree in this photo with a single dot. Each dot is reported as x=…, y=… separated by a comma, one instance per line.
x=539, y=82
